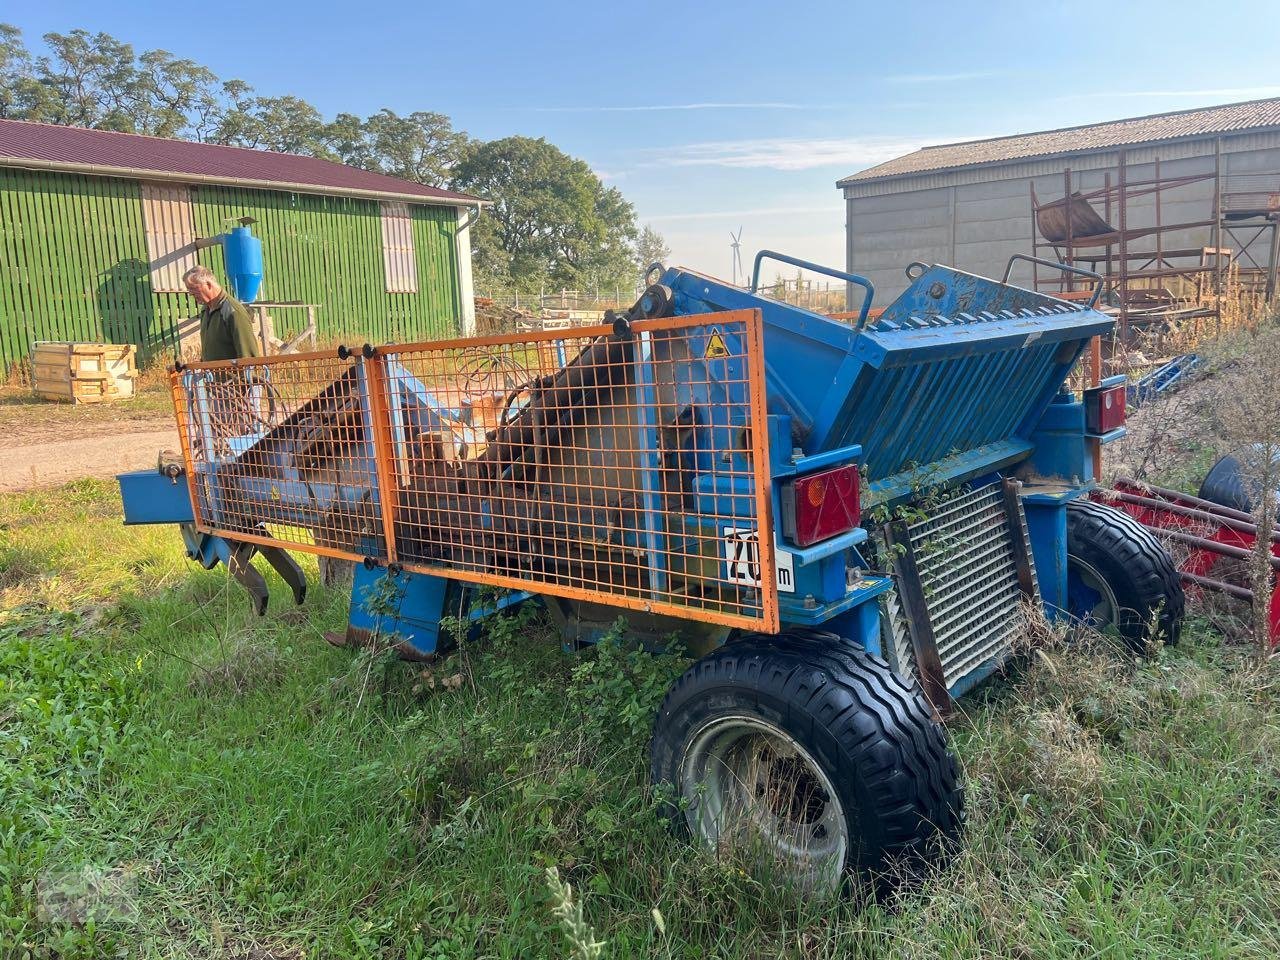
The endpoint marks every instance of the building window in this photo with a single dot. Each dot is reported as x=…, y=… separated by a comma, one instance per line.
x=171, y=234
x=397, y=248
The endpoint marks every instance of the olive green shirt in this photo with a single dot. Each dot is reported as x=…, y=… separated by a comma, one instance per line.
x=226, y=332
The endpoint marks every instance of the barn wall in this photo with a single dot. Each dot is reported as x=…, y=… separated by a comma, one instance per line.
x=74, y=263
x=979, y=219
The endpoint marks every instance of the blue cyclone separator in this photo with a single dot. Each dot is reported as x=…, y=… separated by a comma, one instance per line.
x=242, y=253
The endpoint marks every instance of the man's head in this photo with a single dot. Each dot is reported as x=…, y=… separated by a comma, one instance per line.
x=201, y=284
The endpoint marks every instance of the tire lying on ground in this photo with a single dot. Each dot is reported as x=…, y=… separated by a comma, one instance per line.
x=1119, y=576
x=810, y=757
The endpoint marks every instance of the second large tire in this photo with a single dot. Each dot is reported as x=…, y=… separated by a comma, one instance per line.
x=814, y=745
x=1119, y=576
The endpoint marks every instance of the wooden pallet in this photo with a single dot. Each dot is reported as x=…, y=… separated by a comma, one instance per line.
x=84, y=372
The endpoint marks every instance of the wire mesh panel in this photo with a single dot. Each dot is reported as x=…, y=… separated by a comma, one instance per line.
x=281, y=450
x=629, y=467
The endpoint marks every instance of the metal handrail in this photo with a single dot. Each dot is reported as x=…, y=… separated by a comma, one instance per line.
x=817, y=268
x=1064, y=267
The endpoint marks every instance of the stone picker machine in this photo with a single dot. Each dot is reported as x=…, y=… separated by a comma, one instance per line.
x=846, y=520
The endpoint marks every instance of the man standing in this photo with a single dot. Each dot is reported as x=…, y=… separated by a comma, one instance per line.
x=226, y=332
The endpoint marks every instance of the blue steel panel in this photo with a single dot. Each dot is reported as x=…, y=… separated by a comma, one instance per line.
x=151, y=497
x=415, y=606
x=958, y=369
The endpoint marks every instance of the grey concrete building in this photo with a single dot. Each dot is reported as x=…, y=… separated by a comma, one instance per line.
x=970, y=204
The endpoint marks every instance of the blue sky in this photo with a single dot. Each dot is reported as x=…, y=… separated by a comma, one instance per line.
x=716, y=117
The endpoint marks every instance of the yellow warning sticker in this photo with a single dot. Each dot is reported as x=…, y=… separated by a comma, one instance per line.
x=716, y=347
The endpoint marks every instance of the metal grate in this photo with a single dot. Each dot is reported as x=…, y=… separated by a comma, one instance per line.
x=964, y=553
x=626, y=468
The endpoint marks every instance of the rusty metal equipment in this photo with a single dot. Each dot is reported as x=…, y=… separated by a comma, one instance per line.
x=764, y=480
x=1216, y=540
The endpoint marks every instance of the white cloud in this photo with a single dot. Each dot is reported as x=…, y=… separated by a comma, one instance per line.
x=712, y=105
x=785, y=153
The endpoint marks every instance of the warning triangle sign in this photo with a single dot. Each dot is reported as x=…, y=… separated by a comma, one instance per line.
x=716, y=347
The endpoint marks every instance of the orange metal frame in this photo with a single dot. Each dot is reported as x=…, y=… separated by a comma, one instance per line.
x=553, y=480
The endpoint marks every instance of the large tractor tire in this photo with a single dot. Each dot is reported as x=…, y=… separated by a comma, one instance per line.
x=1120, y=577
x=810, y=757
x=1227, y=482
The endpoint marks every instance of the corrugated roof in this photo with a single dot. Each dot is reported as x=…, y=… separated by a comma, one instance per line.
x=134, y=155
x=1203, y=121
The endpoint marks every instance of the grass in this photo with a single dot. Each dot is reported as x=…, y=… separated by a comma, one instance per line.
x=181, y=779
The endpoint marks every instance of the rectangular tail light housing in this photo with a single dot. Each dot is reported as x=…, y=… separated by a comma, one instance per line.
x=1104, y=409
x=821, y=505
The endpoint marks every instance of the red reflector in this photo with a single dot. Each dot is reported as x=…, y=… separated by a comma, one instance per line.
x=1104, y=409
x=821, y=505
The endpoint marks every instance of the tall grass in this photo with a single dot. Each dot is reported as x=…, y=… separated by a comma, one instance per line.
x=181, y=779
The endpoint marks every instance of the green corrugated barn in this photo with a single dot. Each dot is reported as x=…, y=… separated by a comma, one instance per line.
x=97, y=228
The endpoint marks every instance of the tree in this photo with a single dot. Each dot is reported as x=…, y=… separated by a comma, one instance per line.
x=552, y=219
x=167, y=97
x=88, y=79
x=18, y=87
x=285, y=124
x=94, y=80
x=346, y=138
x=422, y=147
x=651, y=248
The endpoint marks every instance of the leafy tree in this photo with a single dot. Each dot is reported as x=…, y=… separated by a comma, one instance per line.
x=346, y=137
x=422, y=147
x=552, y=219
x=651, y=248
x=87, y=78
x=18, y=87
x=285, y=124
x=94, y=80
x=168, y=96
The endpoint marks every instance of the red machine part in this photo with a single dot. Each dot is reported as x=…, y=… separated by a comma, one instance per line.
x=1208, y=531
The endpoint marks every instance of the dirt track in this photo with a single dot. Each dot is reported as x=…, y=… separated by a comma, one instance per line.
x=45, y=455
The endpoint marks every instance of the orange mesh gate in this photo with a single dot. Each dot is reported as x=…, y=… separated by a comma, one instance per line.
x=629, y=469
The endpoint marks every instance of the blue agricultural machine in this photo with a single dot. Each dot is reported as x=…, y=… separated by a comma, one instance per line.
x=848, y=521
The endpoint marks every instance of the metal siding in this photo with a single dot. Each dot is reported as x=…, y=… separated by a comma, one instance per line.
x=992, y=219
x=74, y=264
x=329, y=250
x=58, y=248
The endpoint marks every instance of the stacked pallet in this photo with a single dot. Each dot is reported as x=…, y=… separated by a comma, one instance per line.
x=84, y=372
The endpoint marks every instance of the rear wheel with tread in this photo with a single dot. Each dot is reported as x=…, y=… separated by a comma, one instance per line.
x=809, y=754
x=1119, y=576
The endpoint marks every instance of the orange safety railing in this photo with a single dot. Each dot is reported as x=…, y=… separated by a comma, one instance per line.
x=625, y=469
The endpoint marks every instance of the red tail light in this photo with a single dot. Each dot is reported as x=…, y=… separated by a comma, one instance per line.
x=1104, y=408
x=821, y=505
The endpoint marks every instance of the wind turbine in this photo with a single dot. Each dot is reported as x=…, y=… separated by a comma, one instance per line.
x=737, y=254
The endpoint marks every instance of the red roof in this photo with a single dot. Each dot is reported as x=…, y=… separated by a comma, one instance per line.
x=134, y=155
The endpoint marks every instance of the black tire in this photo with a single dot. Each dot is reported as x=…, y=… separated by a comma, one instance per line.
x=869, y=730
x=1107, y=544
